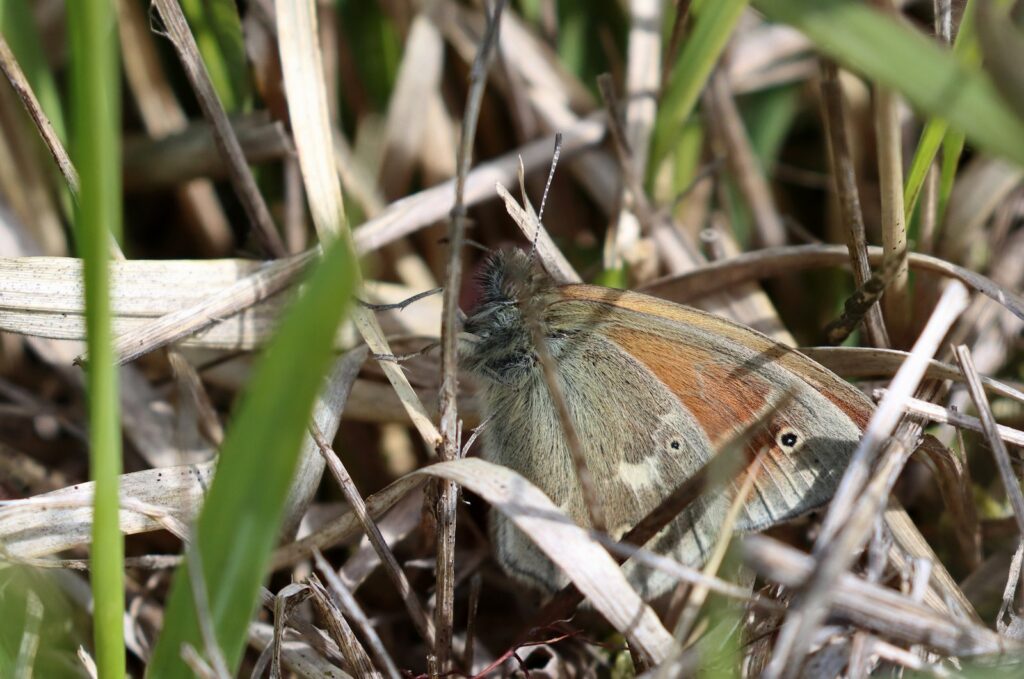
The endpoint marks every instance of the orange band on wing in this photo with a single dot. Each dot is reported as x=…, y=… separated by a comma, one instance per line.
x=721, y=399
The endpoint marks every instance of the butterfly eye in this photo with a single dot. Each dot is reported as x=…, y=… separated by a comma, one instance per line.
x=787, y=438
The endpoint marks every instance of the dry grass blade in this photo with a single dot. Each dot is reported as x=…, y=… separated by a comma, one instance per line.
x=554, y=262
x=54, y=522
x=283, y=603
x=42, y=297
x=344, y=527
x=414, y=212
x=190, y=386
x=980, y=188
x=991, y=429
x=942, y=415
x=350, y=608
x=725, y=122
x=845, y=180
x=585, y=562
x=387, y=557
x=190, y=152
x=872, y=606
x=177, y=325
x=953, y=477
x=296, y=656
x=307, y=109
x=310, y=633
x=239, y=172
x=307, y=105
x=370, y=329
x=340, y=631
x=643, y=78
x=475, y=586
x=418, y=78
x=162, y=115
x=14, y=74
x=890, y=178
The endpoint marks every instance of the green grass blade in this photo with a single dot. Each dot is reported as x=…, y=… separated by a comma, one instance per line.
x=239, y=522
x=965, y=47
x=931, y=139
x=769, y=116
x=95, y=81
x=952, y=147
x=20, y=31
x=713, y=24
x=931, y=78
x=218, y=31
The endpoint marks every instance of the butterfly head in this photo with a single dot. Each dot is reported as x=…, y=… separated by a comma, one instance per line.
x=497, y=340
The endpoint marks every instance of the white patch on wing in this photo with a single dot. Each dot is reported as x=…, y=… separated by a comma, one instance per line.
x=640, y=476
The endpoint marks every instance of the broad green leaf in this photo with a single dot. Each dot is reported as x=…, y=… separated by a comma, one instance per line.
x=895, y=55
x=1002, y=44
x=240, y=519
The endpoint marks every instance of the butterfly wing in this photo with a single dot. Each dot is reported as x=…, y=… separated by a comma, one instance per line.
x=728, y=377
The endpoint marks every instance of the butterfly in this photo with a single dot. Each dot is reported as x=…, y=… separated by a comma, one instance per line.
x=653, y=389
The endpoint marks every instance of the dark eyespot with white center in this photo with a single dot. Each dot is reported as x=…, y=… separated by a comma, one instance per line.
x=675, y=445
x=788, y=439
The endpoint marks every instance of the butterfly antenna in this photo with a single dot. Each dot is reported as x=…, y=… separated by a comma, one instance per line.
x=547, y=188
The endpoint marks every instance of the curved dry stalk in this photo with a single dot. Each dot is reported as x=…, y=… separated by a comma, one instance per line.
x=854, y=362
x=12, y=70
x=771, y=262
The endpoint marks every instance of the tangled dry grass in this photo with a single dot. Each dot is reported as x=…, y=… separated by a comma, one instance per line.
x=739, y=159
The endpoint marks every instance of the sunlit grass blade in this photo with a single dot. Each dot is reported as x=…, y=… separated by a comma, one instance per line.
x=952, y=147
x=95, y=81
x=966, y=47
x=931, y=139
x=932, y=79
x=240, y=520
x=714, y=21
